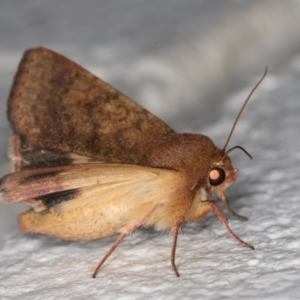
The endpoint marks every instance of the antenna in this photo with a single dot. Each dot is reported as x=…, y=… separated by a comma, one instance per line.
x=244, y=105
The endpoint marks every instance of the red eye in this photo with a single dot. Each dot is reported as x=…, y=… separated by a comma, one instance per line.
x=216, y=176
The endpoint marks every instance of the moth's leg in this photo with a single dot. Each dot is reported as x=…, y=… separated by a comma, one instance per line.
x=204, y=208
x=127, y=230
x=175, y=231
x=110, y=251
x=229, y=209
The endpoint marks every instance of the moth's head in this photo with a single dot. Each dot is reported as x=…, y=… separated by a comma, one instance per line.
x=222, y=174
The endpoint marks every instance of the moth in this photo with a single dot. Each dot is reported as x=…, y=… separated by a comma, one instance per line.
x=92, y=163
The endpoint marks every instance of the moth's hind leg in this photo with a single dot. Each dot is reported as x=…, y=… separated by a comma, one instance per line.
x=127, y=230
x=176, y=228
x=110, y=251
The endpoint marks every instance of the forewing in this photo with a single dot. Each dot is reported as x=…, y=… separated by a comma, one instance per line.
x=56, y=105
x=24, y=156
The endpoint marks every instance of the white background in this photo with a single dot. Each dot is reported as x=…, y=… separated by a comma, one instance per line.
x=192, y=63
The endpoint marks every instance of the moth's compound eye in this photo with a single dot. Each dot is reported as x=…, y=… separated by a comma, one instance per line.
x=216, y=176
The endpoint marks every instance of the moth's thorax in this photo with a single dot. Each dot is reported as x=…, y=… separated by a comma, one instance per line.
x=192, y=154
x=178, y=151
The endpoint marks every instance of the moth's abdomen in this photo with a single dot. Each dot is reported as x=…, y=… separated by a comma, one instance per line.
x=77, y=224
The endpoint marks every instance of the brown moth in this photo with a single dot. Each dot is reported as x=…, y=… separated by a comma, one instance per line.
x=92, y=163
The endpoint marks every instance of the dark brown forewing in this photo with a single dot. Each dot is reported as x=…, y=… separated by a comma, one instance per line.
x=54, y=104
x=25, y=156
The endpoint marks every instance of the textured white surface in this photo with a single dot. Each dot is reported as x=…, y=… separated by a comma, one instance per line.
x=212, y=265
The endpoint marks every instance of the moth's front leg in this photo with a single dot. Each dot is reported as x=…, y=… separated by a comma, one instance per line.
x=200, y=210
x=224, y=198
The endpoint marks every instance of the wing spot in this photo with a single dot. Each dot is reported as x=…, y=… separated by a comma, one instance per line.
x=53, y=199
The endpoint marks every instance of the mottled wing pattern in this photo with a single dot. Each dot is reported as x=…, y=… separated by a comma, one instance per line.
x=56, y=105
